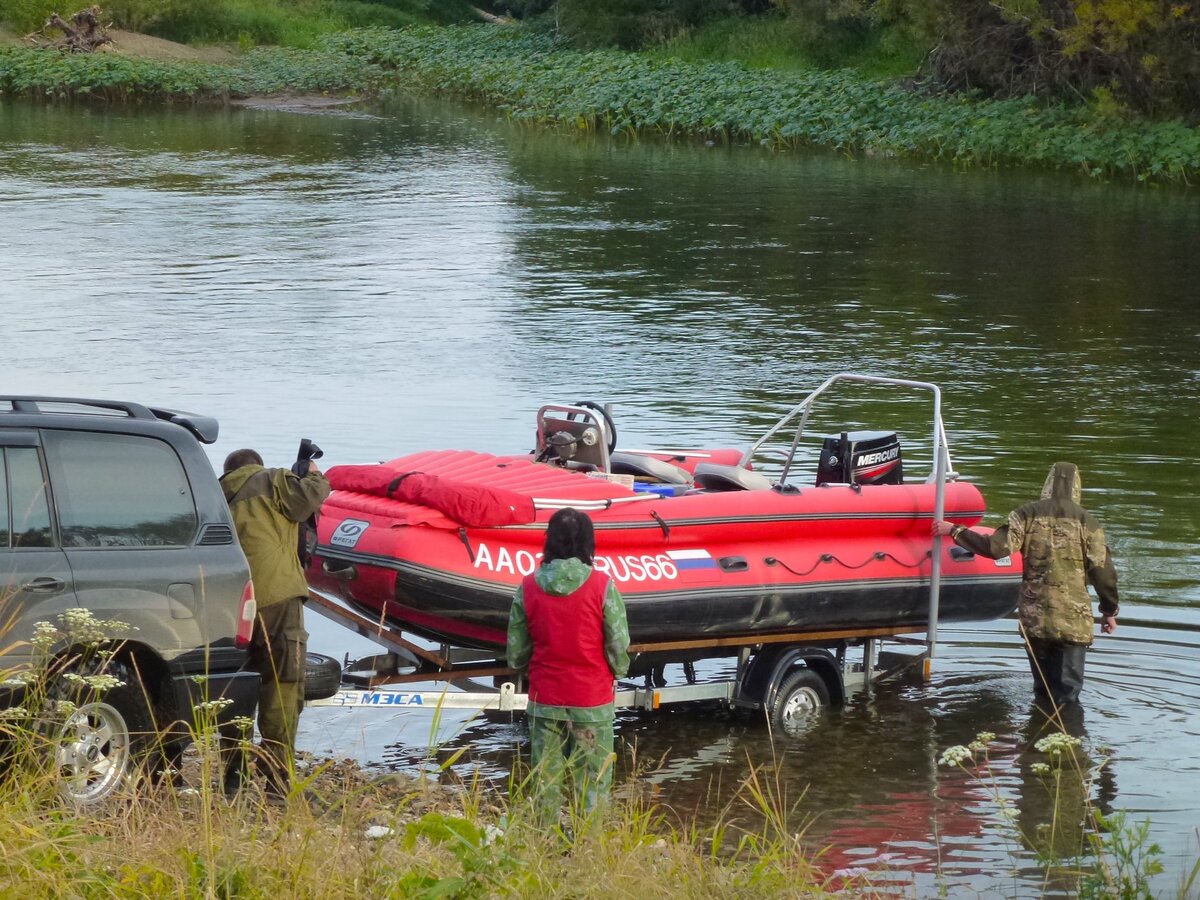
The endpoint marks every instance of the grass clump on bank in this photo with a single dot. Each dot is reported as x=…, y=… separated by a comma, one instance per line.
x=533, y=78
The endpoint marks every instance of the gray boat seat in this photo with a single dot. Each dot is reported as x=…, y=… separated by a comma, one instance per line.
x=647, y=467
x=717, y=477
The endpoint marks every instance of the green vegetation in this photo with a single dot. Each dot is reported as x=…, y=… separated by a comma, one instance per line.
x=1143, y=55
x=110, y=77
x=790, y=42
x=533, y=78
x=288, y=23
x=1081, y=850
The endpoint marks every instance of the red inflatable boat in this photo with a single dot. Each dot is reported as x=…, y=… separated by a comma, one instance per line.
x=700, y=544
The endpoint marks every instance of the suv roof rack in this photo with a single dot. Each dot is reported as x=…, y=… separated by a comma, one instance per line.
x=205, y=428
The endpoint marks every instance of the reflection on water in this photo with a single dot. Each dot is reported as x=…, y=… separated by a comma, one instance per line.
x=429, y=277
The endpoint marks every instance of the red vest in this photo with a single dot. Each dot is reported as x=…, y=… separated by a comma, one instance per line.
x=568, y=666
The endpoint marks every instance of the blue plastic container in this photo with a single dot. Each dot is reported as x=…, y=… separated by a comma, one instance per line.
x=663, y=490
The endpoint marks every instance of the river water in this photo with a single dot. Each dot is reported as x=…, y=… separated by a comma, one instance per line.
x=428, y=275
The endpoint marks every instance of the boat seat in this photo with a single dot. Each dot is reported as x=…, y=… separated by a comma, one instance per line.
x=717, y=477
x=639, y=465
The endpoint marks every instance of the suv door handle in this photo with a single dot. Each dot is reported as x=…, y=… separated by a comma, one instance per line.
x=45, y=585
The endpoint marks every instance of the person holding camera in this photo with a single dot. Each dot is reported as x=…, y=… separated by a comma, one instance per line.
x=268, y=507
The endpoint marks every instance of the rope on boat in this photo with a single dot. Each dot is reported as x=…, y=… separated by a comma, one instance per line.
x=877, y=556
x=462, y=536
x=662, y=523
x=597, y=505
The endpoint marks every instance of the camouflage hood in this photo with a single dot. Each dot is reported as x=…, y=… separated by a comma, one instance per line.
x=1063, y=484
x=562, y=576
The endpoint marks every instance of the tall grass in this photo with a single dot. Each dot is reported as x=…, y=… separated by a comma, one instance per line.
x=288, y=23
x=787, y=43
x=342, y=834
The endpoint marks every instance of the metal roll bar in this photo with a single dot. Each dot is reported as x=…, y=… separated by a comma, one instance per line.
x=941, y=465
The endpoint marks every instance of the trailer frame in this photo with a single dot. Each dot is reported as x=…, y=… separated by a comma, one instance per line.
x=763, y=680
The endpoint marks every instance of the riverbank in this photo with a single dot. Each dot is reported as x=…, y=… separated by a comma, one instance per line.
x=344, y=833
x=531, y=78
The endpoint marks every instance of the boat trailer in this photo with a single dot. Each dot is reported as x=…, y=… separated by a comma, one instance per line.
x=788, y=676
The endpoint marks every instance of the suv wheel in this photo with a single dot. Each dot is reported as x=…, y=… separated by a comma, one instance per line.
x=101, y=746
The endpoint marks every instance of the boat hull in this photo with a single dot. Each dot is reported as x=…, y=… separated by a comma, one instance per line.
x=709, y=566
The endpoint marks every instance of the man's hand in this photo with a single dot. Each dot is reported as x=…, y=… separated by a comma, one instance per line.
x=942, y=529
x=312, y=467
x=1108, y=624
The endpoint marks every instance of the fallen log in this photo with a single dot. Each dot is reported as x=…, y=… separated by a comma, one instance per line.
x=83, y=34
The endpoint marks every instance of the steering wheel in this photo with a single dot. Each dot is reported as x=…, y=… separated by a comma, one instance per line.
x=612, y=429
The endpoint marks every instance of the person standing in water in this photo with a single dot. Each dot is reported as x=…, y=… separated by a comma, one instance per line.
x=1063, y=550
x=567, y=628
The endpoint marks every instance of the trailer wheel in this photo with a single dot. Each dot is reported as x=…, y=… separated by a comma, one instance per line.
x=322, y=676
x=799, y=699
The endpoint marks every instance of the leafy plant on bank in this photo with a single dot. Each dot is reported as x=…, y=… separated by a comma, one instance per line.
x=533, y=78
x=111, y=77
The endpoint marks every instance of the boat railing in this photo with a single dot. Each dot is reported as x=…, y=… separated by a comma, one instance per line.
x=941, y=465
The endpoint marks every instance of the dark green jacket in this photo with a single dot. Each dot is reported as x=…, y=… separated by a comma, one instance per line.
x=268, y=506
x=1063, y=549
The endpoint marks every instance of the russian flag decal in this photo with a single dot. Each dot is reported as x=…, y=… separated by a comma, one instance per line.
x=691, y=559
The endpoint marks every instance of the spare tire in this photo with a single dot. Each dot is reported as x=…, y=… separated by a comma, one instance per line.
x=322, y=676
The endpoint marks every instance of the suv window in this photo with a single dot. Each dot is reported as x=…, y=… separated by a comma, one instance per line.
x=26, y=518
x=119, y=491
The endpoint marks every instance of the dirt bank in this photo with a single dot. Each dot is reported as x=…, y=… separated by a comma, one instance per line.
x=130, y=43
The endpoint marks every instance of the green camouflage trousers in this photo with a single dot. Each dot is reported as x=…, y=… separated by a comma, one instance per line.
x=278, y=652
x=574, y=755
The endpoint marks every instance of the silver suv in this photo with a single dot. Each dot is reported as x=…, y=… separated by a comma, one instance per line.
x=114, y=508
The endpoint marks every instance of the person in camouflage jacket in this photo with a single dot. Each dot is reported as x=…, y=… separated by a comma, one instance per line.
x=268, y=506
x=1063, y=551
x=567, y=628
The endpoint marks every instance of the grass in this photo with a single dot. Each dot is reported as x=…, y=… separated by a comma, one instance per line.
x=787, y=43
x=288, y=23
x=340, y=833
x=345, y=834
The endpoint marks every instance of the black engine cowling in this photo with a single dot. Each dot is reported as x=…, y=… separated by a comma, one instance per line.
x=861, y=457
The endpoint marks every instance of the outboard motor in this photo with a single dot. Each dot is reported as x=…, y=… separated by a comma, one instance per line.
x=861, y=457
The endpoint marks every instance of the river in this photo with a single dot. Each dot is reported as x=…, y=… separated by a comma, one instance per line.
x=428, y=275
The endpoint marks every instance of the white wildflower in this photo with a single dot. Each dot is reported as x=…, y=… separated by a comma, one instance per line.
x=14, y=712
x=955, y=756
x=1040, y=769
x=103, y=682
x=245, y=723
x=1057, y=743
x=985, y=737
x=64, y=707
x=379, y=831
x=210, y=706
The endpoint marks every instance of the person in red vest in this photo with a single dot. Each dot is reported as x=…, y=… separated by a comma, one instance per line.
x=567, y=627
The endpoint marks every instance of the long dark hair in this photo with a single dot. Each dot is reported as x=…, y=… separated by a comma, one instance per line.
x=569, y=533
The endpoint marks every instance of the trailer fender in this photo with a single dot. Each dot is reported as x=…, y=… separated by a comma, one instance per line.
x=769, y=667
